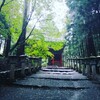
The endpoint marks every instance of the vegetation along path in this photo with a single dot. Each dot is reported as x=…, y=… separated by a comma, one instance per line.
x=52, y=83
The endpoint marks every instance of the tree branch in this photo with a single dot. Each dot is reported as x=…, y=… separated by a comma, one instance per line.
x=25, y=25
x=2, y=4
x=33, y=28
x=8, y=2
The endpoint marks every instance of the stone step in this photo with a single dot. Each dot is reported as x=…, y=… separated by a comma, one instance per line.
x=59, y=75
x=57, y=78
x=48, y=83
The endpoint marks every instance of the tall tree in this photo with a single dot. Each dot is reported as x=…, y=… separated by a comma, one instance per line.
x=84, y=23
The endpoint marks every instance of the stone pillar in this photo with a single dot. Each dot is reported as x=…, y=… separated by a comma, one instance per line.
x=12, y=63
x=98, y=65
x=37, y=63
x=93, y=66
x=30, y=66
x=40, y=61
x=67, y=63
x=80, y=64
x=74, y=64
x=83, y=67
x=23, y=64
x=71, y=66
x=88, y=70
x=77, y=64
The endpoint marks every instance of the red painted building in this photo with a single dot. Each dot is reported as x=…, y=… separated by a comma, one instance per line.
x=57, y=60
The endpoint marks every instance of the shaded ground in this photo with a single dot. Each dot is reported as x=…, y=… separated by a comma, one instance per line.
x=52, y=84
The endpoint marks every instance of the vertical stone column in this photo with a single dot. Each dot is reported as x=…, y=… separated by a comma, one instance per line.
x=74, y=64
x=98, y=65
x=23, y=64
x=40, y=62
x=29, y=65
x=67, y=63
x=77, y=65
x=71, y=63
x=80, y=66
x=12, y=63
x=93, y=67
x=36, y=63
x=83, y=66
x=88, y=69
x=71, y=66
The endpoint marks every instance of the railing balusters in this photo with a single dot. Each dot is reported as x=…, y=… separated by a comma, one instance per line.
x=21, y=66
x=88, y=66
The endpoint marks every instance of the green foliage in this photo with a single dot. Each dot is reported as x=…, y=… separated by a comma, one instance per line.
x=13, y=16
x=82, y=26
x=38, y=47
x=3, y=26
x=11, y=22
x=55, y=45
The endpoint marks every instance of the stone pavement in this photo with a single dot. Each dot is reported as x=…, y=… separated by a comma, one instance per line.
x=52, y=84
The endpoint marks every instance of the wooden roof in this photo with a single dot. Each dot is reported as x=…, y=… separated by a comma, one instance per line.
x=56, y=51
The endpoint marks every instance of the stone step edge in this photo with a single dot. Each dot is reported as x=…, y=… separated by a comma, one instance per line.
x=49, y=87
x=65, y=79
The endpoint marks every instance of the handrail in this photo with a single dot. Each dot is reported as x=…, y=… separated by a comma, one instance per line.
x=21, y=66
x=89, y=66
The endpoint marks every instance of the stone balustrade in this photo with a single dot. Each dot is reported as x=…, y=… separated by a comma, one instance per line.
x=88, y=66
x=21, y=66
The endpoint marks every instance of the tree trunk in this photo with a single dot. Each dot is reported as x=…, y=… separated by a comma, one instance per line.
x=21, y=42
x=7, y=46
x=90, y=45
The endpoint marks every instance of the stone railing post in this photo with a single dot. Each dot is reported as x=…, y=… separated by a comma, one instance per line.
x=98, y=65
x=40, y=62
x=78, y=61
x=12, y=63
x=67, y=63
x=23, y=64
x=74, y=64
x=93, y=64
x=36, y=63
x=88, y=69
x=29, y=65
x=71, y=63
x=83, y=66
x=80, y=66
